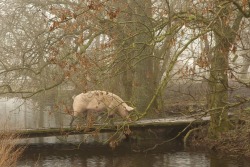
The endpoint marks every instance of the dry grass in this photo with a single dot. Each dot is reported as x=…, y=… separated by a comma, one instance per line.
x=9, y=151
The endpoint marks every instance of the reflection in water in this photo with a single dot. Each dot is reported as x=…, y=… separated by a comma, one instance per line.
x=66, y=155
x=182, y=159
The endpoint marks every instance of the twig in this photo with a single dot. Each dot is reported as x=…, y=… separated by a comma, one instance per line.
x=166, y=141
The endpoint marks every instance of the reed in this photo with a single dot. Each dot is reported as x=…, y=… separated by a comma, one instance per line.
x=9, y=151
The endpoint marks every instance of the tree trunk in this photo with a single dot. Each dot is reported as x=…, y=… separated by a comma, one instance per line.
x=218, y=86
x=134, y=67
x=225, y=34
x=144, y=81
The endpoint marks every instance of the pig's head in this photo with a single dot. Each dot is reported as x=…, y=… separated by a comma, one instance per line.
x=124, y=110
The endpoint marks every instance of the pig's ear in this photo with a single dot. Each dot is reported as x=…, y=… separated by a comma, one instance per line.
x=73, y=97
x=130, y=108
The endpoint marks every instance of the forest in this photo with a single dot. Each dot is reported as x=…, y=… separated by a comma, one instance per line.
x=161, y=57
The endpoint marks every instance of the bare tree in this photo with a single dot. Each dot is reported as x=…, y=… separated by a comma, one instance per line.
x=132, y=48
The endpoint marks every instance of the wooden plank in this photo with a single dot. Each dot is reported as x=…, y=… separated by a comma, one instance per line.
x=170, y=121
x=137, y=125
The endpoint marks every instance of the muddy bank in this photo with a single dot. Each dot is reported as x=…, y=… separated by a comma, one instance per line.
x=235, y=142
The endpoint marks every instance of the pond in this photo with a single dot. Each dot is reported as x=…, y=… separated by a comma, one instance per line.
x=128, y=154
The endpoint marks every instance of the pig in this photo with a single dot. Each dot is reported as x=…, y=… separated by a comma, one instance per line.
x=99, y=101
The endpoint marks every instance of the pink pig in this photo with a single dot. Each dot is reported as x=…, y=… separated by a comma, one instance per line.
x=100, y=101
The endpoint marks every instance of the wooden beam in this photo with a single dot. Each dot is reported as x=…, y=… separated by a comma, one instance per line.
x=97, y=128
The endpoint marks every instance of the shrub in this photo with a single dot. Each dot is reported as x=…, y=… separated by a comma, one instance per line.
x=9, y=151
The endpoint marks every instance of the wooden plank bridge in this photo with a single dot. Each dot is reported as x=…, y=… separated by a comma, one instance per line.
x=175, y=122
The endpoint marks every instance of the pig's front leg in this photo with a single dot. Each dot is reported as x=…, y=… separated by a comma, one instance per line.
x=72, y=120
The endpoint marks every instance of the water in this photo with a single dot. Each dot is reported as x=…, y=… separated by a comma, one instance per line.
x=95, y=155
